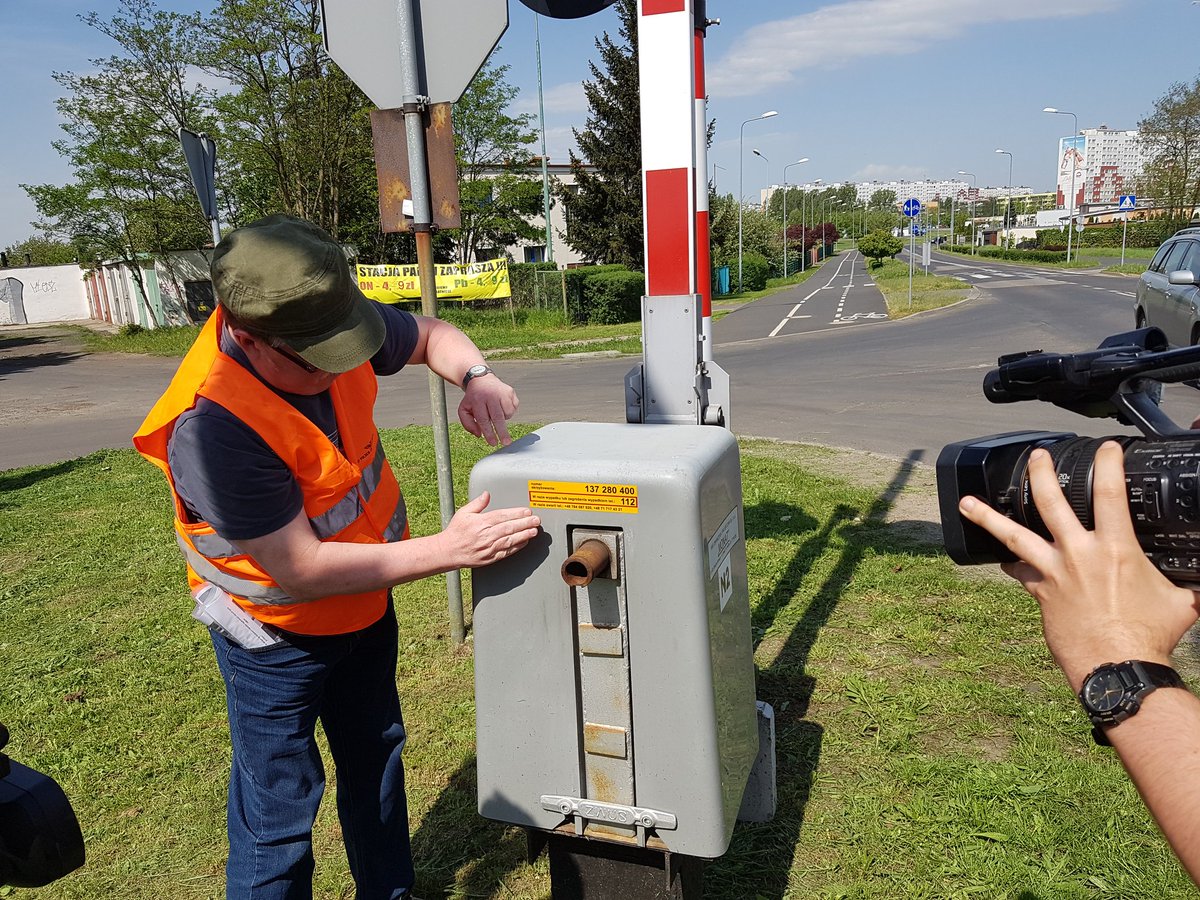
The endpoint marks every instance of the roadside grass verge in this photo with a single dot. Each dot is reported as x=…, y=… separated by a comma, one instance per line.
x=774, y=285
x=519, y=333
x=928, y=291
x=927, y=746
x=499, y=333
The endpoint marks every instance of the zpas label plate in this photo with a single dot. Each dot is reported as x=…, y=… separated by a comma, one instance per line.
x=584, y=495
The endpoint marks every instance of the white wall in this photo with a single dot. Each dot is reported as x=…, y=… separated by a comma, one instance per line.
x=43, y=294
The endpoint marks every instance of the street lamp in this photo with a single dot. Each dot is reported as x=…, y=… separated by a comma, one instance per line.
x=802, y=159
x=741, y=153
x=715, y=167
x=1008, y=190
x=1074, y=160
x=768, y=190
x=971, y=199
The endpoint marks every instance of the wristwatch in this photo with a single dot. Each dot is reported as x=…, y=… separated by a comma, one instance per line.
x=475, y=372
x=1113, y=692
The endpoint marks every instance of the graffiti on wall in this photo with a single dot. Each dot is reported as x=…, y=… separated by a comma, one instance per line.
x=12, y=303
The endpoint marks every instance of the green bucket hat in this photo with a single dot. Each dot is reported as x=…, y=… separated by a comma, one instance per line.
x=289, y=279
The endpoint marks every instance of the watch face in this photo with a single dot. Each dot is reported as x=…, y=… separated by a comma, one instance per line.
x=476, y=371
x=1104, y=691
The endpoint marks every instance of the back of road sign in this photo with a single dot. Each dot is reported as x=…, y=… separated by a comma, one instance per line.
x=454, y=38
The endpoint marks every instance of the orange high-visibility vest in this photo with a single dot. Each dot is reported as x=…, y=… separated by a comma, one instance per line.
x=350, y=495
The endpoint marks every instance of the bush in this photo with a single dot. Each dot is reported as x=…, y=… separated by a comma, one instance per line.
x=755, y=272
x=612, y=298
x=130, y=329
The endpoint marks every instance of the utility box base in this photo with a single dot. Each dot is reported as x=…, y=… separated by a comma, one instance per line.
x=595, y=870
x=618, y=704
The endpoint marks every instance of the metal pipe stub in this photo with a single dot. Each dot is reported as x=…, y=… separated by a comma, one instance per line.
x=591, y=558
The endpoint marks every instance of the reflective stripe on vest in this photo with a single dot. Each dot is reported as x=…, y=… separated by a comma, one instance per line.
x=242, y=587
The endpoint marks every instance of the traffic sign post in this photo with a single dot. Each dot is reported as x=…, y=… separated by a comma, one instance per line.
x=1126, y=203
x=912, y=209
x=407, y=54
x=200, y=151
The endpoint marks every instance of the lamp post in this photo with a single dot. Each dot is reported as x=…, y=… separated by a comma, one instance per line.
x=802, y=159
x=971, y=200
x=1008, y=190
x=715, y=167
x=1074, y=161
x=768, y=190
x=741, y=153
x=537, y=43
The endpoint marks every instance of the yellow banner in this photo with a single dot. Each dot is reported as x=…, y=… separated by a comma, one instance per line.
x=472, y=281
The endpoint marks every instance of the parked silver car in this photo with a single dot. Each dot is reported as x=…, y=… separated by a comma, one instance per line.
x=1168, y=292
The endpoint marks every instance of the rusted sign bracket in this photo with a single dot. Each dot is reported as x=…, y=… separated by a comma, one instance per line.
x=391, y=167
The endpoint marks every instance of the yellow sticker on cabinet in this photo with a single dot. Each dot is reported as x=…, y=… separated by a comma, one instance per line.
x=588, y=496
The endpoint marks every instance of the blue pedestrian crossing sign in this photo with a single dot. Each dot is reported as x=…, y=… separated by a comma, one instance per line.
x=1127, y=201
x=912, y=207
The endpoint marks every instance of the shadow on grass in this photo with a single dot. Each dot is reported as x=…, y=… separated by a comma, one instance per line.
x=469, y=862
x=759, y=860
x=16, y=479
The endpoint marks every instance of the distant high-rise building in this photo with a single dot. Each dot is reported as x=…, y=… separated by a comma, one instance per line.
x=1107, y=164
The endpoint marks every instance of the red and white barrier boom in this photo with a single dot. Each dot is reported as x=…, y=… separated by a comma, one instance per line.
x=677, y=381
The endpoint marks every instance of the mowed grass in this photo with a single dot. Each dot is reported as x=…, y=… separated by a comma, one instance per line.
x=927, y=747
x=928, y=291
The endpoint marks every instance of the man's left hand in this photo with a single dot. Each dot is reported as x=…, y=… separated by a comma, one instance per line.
x=486, y=407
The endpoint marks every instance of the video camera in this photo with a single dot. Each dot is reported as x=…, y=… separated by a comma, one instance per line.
x=1121, y=379
x=40, y=839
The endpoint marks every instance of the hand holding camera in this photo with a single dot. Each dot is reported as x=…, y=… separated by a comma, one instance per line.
x=1102, y=598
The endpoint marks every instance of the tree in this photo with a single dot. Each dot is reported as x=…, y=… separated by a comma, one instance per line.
x=878, y=245
x=131, y=198
x=37, y=251
x=296, y=131
x=883, y=199
x=1171, y=136
x=496, y=204
x=604, y=212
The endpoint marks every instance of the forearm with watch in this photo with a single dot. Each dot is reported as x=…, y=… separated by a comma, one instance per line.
x=1145, y=712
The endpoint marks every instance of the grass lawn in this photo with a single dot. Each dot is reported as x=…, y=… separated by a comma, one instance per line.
x=927, y=747
x=928, y=291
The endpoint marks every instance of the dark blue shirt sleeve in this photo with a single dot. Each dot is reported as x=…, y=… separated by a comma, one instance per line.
x=400, y=342
x=228, y=476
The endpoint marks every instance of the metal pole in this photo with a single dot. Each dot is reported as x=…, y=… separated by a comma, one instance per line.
x=741, y=151
x=785, y=168
x=1124, y=234
x=414, y=122
x=803, y=231
x=537, y=43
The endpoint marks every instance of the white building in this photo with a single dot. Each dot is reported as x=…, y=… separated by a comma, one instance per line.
x=1106, y=164
x=562, y=175
x=924, y=191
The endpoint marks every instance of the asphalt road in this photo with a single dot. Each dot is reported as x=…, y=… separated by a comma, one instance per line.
x=839, y=377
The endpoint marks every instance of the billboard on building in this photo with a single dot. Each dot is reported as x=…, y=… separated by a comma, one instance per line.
x=1072, y=156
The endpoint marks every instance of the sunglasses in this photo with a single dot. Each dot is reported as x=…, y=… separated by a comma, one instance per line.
x=291, y=355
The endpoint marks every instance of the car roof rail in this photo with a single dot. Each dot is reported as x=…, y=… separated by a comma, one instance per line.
x=1192, y=229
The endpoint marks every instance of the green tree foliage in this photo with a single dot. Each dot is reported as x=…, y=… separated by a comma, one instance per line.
x=1171, y=136
x=883, y=199
x=131, y=196
x=879, y=245
x=496, y=204
x=37, y=251
x=604, y=212
x=296, y=131
x=762, y=233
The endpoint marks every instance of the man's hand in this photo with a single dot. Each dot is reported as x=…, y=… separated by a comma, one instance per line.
x=1102, y=600
x=486, y=407
x=477, y=536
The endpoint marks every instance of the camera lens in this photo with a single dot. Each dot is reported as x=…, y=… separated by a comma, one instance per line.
x=1072, y=459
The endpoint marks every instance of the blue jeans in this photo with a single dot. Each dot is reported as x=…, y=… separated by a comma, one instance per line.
x=275, y=697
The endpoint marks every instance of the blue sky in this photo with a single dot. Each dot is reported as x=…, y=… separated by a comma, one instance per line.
x=867, y=89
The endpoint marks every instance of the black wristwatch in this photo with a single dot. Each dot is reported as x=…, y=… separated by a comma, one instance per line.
x=1113, y=692
x=475, y=372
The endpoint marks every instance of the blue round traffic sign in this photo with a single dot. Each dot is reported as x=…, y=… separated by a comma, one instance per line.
x=912, y=207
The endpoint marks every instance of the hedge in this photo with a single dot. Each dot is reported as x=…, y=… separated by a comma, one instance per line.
x=991, y=252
